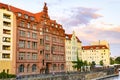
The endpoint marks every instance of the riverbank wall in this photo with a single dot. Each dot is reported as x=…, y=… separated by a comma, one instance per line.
x=91, y=75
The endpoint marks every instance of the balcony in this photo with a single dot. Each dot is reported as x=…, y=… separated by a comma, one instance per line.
x=6, y=24
x=6, y=55
x=5, y=31
x=6, y=16
x=6, y=47
x=6, y=39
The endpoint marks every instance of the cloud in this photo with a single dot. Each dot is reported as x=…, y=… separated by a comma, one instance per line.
x=99, y=31
x=78, y=16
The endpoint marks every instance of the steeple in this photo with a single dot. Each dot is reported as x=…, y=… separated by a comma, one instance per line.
x=45, y=8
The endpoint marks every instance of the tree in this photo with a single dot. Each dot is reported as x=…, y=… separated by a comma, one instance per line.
x=112, y=61
x=101, y=63
x=117, y=60
x=85, y=63
x=77, y=64
x=93, y=64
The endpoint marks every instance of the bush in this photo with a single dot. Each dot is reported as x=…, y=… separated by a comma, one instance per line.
x=4, y=75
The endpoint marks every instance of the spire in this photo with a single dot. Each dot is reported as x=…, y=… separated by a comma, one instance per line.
x=45, y=8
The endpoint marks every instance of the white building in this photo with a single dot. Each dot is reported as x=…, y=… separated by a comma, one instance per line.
x=96, y=53
x=6, y=40
x=72, y=48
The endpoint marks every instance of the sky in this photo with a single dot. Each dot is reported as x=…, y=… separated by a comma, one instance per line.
x=92, y=20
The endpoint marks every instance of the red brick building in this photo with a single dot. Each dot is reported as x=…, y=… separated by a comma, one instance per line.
x=39, y=42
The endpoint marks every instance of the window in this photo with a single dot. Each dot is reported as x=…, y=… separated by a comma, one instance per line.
x=19, y=14
x=54, y=66
x=22, y=44
x=21, y=68
x=21, y=56
x=22, y=24
x=34, y=35
x=28, y=34
x=47, y=37
x=7, y=24
x=61, y=48
x=54, y=39
x=6, y=16
x=41, y=52
x=28, y=25
x=43, y=62
x=22, y=33
x=28, y=44
x=5, y=31
x=46, y=29
x=56, y=26
x=26, y=16
x=41, y=29
x=47, y=56
x=6, y=55
x=28, y=56
x=34, y=68
x=34, y=45
x=6, y=39
x=6, y=47
x=52, y=24
x=34, y=26
x=62, y=66
x=32, y=18
x=41, y=41
x=28, y=68
x=41, y=33
x=47, y=47
x=34, y=56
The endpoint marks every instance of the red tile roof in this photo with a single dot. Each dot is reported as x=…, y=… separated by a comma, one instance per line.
x=69, y=36
x=94, y=47
x=14, y=9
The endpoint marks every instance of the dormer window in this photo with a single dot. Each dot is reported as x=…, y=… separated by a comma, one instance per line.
x=32, y=18
x=66, y=37
x=52, y=24
x=56, y=26
x=19, y=14
x=26, y=16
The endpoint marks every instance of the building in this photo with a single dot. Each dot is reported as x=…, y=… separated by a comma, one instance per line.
x=96, y=53
x=6, y=40
x=72, y=49
x=52, y=38
x=36, y=42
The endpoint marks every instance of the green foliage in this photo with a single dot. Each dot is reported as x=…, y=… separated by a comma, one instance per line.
x=85, y=63
x=4, y=75
x=117, y=60
x=112, y=61
x=78, y=64
x=101, y=63
x=93, y=64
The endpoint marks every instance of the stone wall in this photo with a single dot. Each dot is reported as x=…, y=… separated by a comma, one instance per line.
x=68, y=76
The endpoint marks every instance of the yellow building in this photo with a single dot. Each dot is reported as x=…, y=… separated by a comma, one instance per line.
x=72, y=47
x=96, y=53
x=6, y=41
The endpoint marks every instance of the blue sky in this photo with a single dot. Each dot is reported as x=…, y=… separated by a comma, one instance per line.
x=91, y=19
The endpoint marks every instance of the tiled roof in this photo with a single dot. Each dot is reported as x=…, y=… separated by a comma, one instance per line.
x=14, y=9
x=94, y=47
x=69, y=36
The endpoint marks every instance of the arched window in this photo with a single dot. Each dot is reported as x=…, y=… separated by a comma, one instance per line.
x=54, y=66
x=62, y=66
x=28, y=68
x=34, y=67
x=21, y=68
